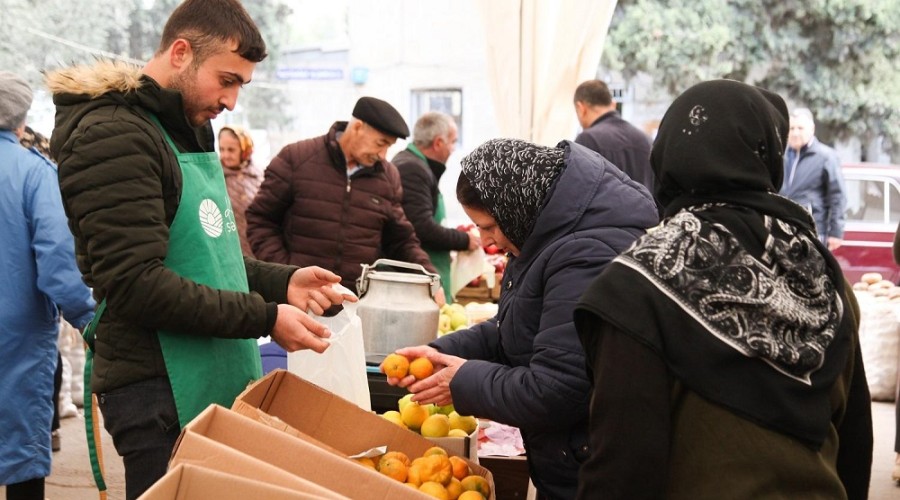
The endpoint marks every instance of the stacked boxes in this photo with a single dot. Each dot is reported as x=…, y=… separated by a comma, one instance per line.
x=286, y=438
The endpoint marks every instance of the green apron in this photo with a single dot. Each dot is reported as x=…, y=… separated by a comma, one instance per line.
x=439, y=258
x=204, y=247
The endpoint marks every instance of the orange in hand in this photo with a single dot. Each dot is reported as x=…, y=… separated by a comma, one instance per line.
x=395, y=365
x=421, y=368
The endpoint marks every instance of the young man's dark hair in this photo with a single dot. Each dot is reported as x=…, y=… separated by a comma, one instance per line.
x=593, y=93
x=208, y=23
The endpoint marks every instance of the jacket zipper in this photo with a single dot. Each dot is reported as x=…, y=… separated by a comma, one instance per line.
x=340, y=248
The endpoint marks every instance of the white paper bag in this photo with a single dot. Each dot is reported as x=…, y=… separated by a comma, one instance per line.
x=467, y=266
x=341, y=369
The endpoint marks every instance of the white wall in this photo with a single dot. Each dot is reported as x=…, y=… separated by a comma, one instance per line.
x=405, y=45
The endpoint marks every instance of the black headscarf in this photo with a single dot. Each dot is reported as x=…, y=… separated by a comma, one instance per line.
x=734, y=289
x=513, y=177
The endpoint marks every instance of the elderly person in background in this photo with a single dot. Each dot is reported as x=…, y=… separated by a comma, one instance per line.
x=562, y=214
x=421, y=166
x=334, y=200
x=723, y=346
x=813, y=178
x=40, y=279
x=242, y=176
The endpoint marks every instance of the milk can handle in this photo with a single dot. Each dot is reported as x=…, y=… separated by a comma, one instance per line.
x=362, y=283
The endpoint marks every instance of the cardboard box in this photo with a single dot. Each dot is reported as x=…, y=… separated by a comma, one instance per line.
x=466, y=447
x=192, y=482
x=197, y=450
x=310, y=412
x=468, y=292
x=297, y=456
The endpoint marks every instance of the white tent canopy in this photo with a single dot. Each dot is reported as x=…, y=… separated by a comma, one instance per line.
x=537, y=53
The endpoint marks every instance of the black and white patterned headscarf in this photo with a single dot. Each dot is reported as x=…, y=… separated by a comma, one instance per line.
x=513, y=177
x=752, y=302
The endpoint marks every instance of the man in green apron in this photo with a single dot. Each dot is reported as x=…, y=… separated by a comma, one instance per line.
x=421, y=166
x=180, y=308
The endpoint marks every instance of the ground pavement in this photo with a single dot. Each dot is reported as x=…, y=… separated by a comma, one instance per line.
x=71, y=477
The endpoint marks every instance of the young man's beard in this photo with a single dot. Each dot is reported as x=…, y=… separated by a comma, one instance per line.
x=186, y=83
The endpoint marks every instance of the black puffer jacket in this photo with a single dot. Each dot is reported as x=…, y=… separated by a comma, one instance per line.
x=420, y=181
x=120, y=185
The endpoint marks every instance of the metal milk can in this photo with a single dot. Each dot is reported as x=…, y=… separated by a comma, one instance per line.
x=396, y=308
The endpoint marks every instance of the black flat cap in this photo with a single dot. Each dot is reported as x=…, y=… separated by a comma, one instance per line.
x=382, y=116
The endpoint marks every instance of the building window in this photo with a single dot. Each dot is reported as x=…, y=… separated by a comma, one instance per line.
x=448, y=101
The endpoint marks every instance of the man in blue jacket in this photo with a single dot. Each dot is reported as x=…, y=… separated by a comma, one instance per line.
x=813, y=178
x=39, y=279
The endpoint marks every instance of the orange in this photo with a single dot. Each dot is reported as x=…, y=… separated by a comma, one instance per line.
x=393, y=416
x=470, y=495
x=436, y=468
x=393, y=468
x=395, y=365
x=366, y=461
x=435, y=490
x=454, y=489
x=435, y=426
x=412, y=474
x=460, y=467
x=477, y=483
x=421, y=368
x=435, y=450
x=399, y=455
x=413, y=415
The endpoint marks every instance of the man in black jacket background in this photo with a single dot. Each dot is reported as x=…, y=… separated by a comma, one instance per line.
x=605, y=132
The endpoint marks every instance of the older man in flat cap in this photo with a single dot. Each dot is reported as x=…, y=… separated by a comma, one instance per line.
x=39, y=279
x=334, y=201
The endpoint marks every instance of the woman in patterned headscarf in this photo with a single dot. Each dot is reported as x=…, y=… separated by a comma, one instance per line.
x=723, y=345
x=242, y=177
x=561, y=214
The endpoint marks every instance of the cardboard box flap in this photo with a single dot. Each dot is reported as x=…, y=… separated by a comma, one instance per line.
x=297, y=456
x=192, y=482
x=199, y=450
x=328, y=421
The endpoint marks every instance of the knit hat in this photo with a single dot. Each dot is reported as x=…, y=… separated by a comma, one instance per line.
x=15, y=100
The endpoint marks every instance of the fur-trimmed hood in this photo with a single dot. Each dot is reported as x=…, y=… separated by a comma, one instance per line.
x=96, y=79
x=92, y=94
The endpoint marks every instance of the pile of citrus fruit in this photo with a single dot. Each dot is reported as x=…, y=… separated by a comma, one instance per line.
x=434, y=473
x=428, y=420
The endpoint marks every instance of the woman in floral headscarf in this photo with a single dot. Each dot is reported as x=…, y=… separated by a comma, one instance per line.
x=723, y=345
x=562, y=214
x=242, y=177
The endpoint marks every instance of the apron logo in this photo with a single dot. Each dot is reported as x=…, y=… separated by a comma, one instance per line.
x=210, y=218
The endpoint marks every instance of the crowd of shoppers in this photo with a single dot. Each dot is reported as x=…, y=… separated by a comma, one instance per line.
x=671, y=324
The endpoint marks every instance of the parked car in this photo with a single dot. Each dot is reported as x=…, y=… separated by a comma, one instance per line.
x=872, y=215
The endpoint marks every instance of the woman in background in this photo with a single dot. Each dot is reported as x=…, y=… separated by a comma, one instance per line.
x=242, y=177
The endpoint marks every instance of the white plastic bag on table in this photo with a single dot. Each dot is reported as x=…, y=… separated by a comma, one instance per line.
x=341, y=369
x=879, y=339
x=467, y=266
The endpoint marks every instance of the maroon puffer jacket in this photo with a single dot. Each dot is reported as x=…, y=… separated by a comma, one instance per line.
x=308, y=213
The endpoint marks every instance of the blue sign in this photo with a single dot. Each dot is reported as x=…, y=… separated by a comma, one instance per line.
x=293, y=73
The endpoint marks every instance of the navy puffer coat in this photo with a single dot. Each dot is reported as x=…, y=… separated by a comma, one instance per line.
x=526, y=366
